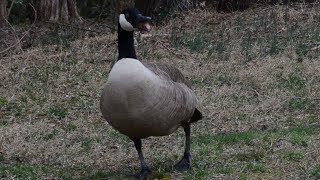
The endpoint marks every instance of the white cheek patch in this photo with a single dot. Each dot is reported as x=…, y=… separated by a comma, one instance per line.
x=124, y=23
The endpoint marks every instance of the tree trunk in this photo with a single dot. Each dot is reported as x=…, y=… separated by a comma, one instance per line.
x=233, y=5
x=149, y=7
x=57, y=10
x=183, y=5
x=3, y=12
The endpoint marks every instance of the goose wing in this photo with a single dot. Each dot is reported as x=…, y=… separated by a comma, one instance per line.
x=168, y=72
x=171, y=73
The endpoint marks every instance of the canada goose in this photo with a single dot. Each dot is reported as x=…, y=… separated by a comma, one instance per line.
x=144, y=99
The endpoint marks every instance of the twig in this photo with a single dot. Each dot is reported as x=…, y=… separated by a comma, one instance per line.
x=68, y=25
x=315, y=48
x=15, y=35
x=11, y=5
x=35, y=13
x=18, y=42
x=312, y=99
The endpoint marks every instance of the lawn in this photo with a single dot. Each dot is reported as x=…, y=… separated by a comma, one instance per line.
x=256, y=74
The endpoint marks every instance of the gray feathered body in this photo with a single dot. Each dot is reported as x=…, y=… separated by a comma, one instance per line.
x=142, y=100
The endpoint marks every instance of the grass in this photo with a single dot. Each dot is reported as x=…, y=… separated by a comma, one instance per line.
x=21, y=171
x=3, y=102
x=300, y=104
x=315, y=172
x=255, y=168
x=57, y=112
x=255, y=74
x=293, y=156
x=294, y=82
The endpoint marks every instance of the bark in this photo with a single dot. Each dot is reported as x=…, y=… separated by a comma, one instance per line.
x=184, y=5
x=3, y=12
x=149, y=7
x=57, y=10
x=233, y=5
x=241, y=5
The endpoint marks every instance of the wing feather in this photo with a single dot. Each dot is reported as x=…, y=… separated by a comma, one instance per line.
x=168, y=72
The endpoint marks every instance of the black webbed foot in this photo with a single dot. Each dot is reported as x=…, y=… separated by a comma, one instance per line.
x=142, y=175
x=183, y=165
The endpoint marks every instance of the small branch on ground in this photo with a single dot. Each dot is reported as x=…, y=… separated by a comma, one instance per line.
x=315, y=48
x=74, y=27
x=11, y=5
x=18, y=40
x=35, y=13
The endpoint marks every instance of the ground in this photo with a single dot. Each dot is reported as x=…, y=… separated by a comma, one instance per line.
x=256, y=74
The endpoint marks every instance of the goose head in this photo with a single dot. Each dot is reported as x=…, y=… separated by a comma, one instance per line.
x=131, y=19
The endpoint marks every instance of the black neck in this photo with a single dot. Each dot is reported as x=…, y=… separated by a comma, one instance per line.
x=125, y=44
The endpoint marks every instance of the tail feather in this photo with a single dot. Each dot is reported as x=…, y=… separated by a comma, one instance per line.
x=197, y=115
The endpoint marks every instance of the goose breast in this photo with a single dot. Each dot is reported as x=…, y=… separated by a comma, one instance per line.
x=139, y=102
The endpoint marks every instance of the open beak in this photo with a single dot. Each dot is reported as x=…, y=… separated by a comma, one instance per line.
x=144, y=24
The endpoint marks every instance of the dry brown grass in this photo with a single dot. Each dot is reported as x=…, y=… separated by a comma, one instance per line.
x=257, y=82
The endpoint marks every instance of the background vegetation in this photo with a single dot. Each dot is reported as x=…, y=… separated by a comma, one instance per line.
x=256, y=73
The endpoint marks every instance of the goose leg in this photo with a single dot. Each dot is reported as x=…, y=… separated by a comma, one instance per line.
x=185, y=163
x=145, y=171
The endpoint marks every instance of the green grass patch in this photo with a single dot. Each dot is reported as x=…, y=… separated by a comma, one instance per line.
x=224, y=170
x=307, y=131
x=299, y=139
x=297, y=135
x=57, y=112
x=48, y=136
x=200, y=82
x=100, y=175
x=255, y=167
x=85, y=172
x=225, y=79
x=197, y=174
x=160, y=175
x=313, y=119
x=210, y=81
x=54, y=38
x=275, y=46
x=14, y=109
x=22, y=171
x=315, y=171
x=197, y=43
x=2, y=158
x=293, y=121
x=242, y=116
x=3, y=102
x=245, y=137
x=177, y=37
x=300, y=104
x=4, y=123
x=210, y=143
x=301, y=50
x=293, y=156
x=250, y=156
x=86, y=144
x=294, y=82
